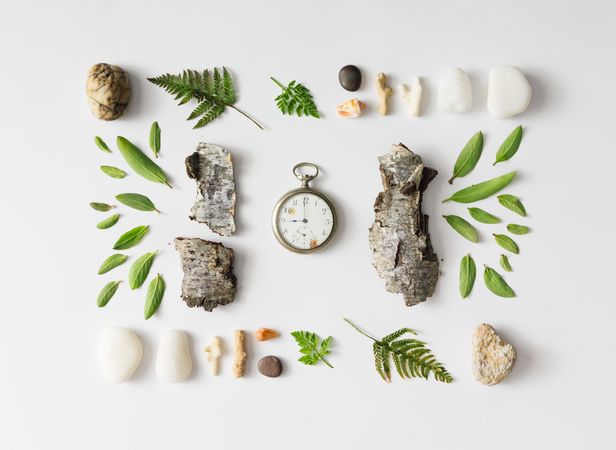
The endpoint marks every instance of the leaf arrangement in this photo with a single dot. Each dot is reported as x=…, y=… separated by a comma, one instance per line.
x=411, y=358
x=296, y=99
x=312, y=348
x=213, y=92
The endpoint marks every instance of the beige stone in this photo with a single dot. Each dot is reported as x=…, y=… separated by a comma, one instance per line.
x=493, y=358
x=108, y=91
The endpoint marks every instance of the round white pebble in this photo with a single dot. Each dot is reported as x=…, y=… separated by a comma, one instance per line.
x=509, y=92
x=173, y=361
x=120, y=353
x=455, y=93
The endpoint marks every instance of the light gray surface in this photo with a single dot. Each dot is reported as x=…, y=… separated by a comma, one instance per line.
x=559, y=395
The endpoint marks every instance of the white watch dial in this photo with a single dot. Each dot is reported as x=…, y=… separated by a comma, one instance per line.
x=305, y=221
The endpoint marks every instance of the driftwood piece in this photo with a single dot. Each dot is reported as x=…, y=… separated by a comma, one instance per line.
x=399, y=237
x=212, y=168
x=208, y=273
x=239, y=362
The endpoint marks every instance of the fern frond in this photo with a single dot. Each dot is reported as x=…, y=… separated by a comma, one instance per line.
x=396, y=334
x=378, y=359
x=312, y=348
x=228, y=89
x=296, y=99
x=210, y=114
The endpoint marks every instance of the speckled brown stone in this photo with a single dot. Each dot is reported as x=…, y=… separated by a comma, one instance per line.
x=270, y=366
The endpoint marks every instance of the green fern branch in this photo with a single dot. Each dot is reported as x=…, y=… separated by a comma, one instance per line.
x=296, y=99
x=213, y=92
x=410, y=357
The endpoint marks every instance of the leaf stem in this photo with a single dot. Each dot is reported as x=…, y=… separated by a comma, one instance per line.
x=278, y=83
x=360, y=330
x=245, y=115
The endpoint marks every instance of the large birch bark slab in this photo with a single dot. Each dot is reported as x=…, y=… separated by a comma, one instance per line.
x=212, y=168
x=208, y=273
x=399, y=237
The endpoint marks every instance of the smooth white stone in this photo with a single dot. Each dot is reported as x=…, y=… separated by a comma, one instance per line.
x=173, y=361
x=509, y=92
x=120, y=352
x=455, y=92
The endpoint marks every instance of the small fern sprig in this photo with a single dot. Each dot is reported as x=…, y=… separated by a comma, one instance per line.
x=312, y=348
x=410, y=356
x=213, y=91
x=296, y=99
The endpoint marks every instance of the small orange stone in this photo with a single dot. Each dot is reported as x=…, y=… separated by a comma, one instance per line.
x=265, y=334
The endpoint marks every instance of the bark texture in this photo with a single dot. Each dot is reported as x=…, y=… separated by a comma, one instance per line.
x=212, y=168
x=399, y=237
x=208, y=273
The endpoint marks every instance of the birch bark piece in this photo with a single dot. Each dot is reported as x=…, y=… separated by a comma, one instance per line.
x=212, y=168
x=208, y=273
x=399, y=238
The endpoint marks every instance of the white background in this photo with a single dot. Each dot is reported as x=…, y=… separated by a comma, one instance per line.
x=561, y=392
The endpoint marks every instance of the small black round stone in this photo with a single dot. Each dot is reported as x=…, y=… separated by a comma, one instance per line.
x=350, y=77
x=270, y=366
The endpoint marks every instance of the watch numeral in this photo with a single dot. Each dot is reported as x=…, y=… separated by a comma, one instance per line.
x=295, y=202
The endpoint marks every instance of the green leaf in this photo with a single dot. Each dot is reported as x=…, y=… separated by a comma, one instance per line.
x=463, y=227
x=140, y=270
x=154, y=297
x=312, y=348
x=108, y=222
x=507, y=243
x=482, y=190
x=140, y=163
x=518, y=229
x=468, y=157
x=106, y=293
x=101, y=144
x=137, y=201
x=482, y=216
x=296, y=99
x=131, y=237
x=495, y=283
x=513, y=203
x=155, y=139
x=510, y=146
x=504, y=263
x=113, y=172
x=468, y=272
x=103, y=207
x=112, y=262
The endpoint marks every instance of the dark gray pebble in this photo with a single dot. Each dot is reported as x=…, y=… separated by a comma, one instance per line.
x=350, y=77
x=270, y=366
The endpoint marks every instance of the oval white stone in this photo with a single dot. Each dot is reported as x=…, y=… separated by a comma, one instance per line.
x=173, y=361
x=455, y=93
x=120, y=352
x=509, y=92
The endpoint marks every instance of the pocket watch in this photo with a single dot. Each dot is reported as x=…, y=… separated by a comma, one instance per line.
x=304, y=219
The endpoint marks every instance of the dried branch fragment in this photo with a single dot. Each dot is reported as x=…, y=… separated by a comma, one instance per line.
x=239, y=365
x=212, y=167
x=208, y=273
x=384, y=92
x=214, y=352
x=399, y=237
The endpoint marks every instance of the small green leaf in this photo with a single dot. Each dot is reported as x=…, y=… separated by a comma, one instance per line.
x=137, y=201
x=462, y=227
x=140, y=163
x=507, y=243
x=482, y=216
x=103, y=207
x=113, y=172
x=510, y=146
x=296, y=99
x=108, y=222
x=504, y=263
x=112, y=262
x=495, y=283
x=312, y=348
x=101, y=144
x=482, y=190
x=156, y=291
x=106, y=293
x=513, y=203
x=155, y=139
x=468, y=272
x=131, y=237
x=140, y=270
x=518, y=229
x=468, y=157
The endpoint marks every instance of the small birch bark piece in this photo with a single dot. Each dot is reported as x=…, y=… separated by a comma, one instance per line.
x=208, y=273
x=412, y=97
x=212, y=168
x=214, y=353
x=384, y=92
x=239, y=364
x=399, y=238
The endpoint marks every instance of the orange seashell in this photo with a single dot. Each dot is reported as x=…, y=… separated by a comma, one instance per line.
x=351, y=108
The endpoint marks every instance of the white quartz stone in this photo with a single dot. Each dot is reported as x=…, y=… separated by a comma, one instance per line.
x=509, y=92
x=173, y=361
x=412, y=97
x=120, y=352
x=455, y=93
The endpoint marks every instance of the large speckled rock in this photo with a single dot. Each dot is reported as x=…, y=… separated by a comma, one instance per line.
x=108, y=91
x=493, y=358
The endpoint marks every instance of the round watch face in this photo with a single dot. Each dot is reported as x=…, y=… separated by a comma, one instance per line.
x=304, y=221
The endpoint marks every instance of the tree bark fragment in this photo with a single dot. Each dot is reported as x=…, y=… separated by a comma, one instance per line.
x=399, y=237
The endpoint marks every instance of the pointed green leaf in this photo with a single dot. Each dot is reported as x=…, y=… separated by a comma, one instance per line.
x=512, y=203
x=504, y=263
x=518, y=229
x=140, y=270
x=482, y=190
x=108, y=222
x=103, y=207
x=113, y=172
x=507, y=243
x=495, y=283
x=140, y=163
x=154, y=297
x=510, y=146
x=155, y=139
x=106, y=293
x=137, y=201
x=101, y=144
x=468, y=272
x=463, y=227
x=112, y=262
x=131, y=237
x=482, y=216
x=468, y=157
